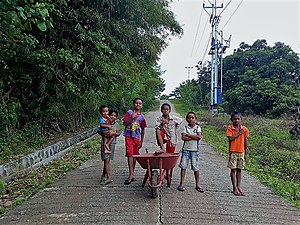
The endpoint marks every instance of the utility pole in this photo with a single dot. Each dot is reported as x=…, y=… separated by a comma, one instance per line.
x=189, y=71
x=216, y=51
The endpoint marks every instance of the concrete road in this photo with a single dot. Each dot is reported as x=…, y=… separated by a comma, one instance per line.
x=78, y=197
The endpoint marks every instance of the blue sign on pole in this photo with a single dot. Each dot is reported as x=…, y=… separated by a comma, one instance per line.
x=219, y=96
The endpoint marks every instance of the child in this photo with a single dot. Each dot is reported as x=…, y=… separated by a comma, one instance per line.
x=191, y=135
x=166, y=126
x=114, y=132
x=135, y=124
x=104, y=128
x=237, y=136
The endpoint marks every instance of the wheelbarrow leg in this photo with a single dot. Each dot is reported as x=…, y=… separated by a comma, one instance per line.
x=145, y=179
x=169, y=177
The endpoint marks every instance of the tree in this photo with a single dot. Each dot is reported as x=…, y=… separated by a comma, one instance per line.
x=260, y=79
x=61, y=59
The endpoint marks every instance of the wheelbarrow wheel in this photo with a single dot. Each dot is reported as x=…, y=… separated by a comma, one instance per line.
x=154, y=179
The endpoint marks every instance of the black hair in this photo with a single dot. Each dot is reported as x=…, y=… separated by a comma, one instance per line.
x=113, y=111
x=165, y=104
x=191, y=112
x=134, y=100
x=235, y=114
x=102, y=107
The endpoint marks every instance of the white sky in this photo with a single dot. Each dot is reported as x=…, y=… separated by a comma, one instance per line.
x=272, y=20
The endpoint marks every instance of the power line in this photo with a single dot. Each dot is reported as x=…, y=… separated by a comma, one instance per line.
x=225, y=8
x=197, y=32
x=202, y=36
x=233, y=14
x=206, y=47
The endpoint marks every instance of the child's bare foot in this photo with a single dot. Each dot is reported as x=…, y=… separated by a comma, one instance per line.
x=106, y=152
x=106, y=149
x=237, y=193
x=241, y=192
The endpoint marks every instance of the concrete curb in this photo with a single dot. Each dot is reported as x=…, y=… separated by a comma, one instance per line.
x=43, y=156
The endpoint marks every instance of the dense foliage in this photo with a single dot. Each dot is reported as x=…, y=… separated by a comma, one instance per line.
x=258, y=79
x=262, y=80
x=59, y=60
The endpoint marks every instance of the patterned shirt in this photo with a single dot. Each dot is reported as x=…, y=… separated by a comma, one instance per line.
x=134, y=129
x=192, y=145
x=169, y=128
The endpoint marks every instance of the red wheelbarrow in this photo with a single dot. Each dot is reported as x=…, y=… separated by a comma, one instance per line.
x=164, y=162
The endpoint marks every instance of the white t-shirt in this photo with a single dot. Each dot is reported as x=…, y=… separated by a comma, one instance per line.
x=192, y=145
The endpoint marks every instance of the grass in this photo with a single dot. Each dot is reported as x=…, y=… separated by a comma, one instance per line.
x=26, y=184
x=273, y=156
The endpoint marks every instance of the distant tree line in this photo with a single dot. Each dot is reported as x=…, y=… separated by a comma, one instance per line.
x=257, y=79
x=61, y=59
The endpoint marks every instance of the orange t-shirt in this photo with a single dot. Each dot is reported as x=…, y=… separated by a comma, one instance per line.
x=238, y=144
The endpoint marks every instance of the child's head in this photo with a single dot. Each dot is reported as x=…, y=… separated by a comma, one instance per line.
x=103, y=110
x=191, y=118
x=138, y=103
x=165, y=109
x=236, y=118
x=113, y=114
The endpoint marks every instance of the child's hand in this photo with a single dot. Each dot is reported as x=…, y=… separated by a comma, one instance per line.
x=135, y=114
x=164, y=121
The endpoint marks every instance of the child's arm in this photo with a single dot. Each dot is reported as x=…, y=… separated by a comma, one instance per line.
x=142, y=137
x=128, y=119
x=197, y=136
x=236, y=135
x=184, y=137
x=103, y=125
x=246, y=146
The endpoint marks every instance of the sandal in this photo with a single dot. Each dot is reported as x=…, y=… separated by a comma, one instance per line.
x=103, y=181
x=200, y=189
x=128, y=181
x=181, y=188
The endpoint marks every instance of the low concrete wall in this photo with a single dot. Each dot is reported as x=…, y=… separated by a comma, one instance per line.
x=43, y=156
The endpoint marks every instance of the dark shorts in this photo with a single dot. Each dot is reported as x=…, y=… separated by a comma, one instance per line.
x=110, y=156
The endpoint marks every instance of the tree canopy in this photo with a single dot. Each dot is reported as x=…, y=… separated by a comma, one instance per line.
x=61, y=59
x=262, y=80
x=257, y=79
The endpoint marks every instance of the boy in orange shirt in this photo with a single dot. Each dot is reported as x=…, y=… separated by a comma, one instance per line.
x=237, y=136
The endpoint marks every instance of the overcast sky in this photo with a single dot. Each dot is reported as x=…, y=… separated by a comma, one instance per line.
x=245, y=20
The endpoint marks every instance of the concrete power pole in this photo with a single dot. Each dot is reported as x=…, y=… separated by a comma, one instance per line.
x=216, y=51
x=189, y=71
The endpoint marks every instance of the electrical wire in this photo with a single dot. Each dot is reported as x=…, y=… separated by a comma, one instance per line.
x=232, y=14
x=206, y=47
x=197, y=32
x=225, y=7
x=202, y=36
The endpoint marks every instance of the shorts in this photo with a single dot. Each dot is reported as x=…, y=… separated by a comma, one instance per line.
x=169, y=147
x=190, y=156
x=236, y=160
x=110, y=156
x=132, y=146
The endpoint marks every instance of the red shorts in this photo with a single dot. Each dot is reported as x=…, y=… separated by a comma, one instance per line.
x=169, y=147
x=132, y=146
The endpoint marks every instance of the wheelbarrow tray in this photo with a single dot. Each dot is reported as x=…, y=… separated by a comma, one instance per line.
x=168, y=160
